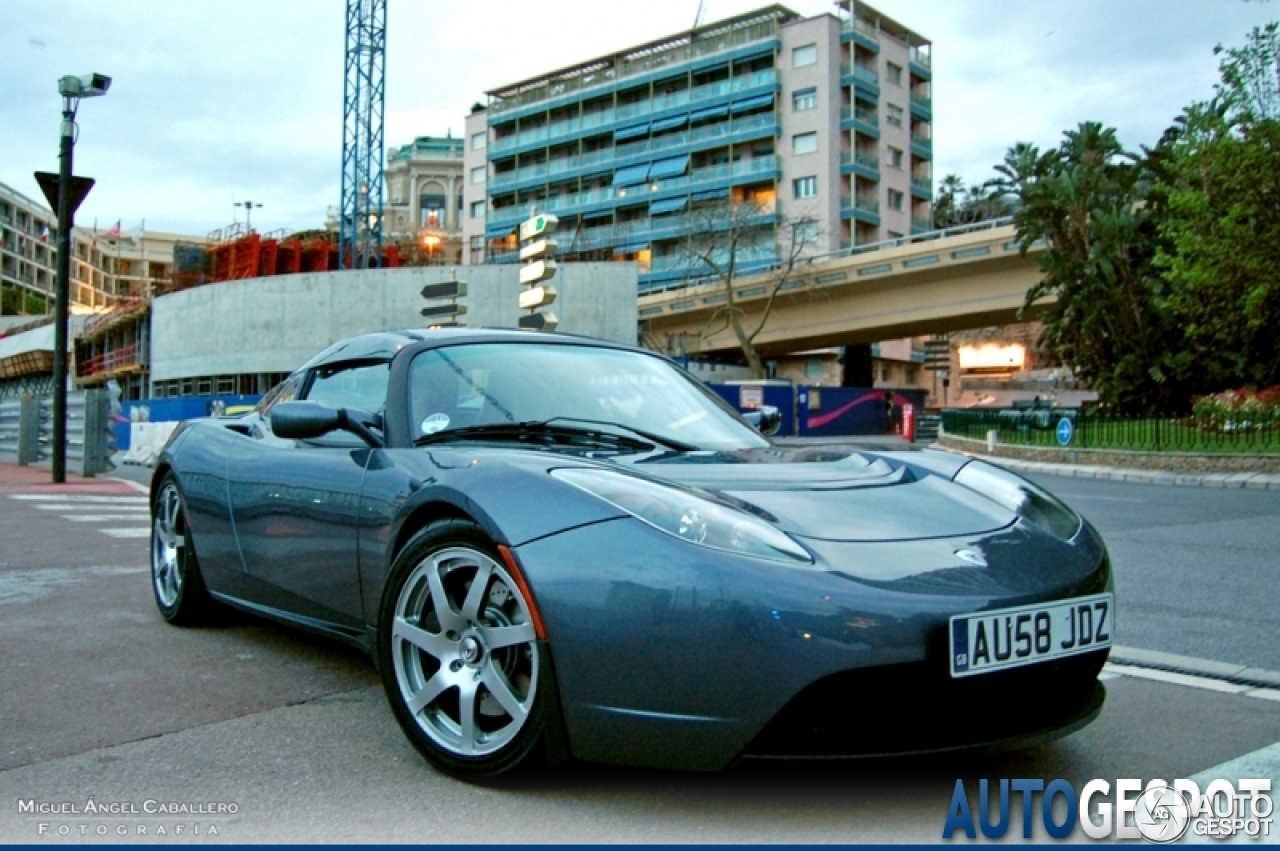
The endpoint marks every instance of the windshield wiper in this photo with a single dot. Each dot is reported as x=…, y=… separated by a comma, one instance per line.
x=531, y=430
x=668, y=442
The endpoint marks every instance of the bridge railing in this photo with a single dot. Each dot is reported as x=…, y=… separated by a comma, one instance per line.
x=851, y=251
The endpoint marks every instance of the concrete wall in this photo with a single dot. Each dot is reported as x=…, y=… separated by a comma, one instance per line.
x=275, y=324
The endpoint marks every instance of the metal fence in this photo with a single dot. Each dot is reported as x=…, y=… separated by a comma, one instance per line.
x=26, y=431
x=1102, y=430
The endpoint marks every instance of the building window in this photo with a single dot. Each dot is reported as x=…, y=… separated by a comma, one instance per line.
x=803, y=99
x=477, y=209
x=813, y=368
x=893, y=73
x=895, y=200
x=477, y=174
x=479, y=140
x=894, y=115
x=805, y=187
x=895, y=157
x=806, y=232
x=804, y=143
x=806, y=55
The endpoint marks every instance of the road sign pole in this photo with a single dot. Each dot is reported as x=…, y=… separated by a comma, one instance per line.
x=538, y=252
x=62, y=290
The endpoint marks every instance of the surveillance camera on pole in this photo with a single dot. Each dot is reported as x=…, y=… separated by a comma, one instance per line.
x=538, y=253
x=70, y=191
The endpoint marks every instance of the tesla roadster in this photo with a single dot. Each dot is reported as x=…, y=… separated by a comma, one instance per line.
x=560, y=548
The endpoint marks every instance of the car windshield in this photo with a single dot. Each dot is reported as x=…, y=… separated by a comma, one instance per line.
x=482, y=384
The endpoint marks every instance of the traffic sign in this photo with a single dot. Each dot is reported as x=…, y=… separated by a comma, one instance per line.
x=539, y=270
x=1065, y=431
x=543, y=224
x=539, y=322
x=447, y=309
x=445, y=289
x=537, y=297
x=538, y=249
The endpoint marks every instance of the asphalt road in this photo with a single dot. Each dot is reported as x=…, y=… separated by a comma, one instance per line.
x=100, y=699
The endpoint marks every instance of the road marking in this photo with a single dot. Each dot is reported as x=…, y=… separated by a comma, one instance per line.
x=76, y=497
x=142, y=532
x=90, y=506
x=99, y=518
x=1176, y=679
x=1062, y=495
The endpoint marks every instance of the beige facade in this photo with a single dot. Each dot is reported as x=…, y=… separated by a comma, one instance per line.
x=424, y=197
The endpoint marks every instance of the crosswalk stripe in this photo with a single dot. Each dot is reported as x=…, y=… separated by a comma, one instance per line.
x=77, y=497
x=91, y=506
x=127, y=533
x=99, y=518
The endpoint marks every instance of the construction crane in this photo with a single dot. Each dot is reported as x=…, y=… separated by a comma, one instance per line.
x=363, y=101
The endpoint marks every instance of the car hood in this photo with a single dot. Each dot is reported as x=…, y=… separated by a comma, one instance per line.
x=838, y=495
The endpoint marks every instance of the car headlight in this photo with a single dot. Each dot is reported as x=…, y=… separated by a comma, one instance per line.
x=1032, y=502
x=686, y=516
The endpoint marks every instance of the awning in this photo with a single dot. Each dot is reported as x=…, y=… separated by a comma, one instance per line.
x=631, y=175
x=634, y=132
x=669, y=205
x=669, y=167
x=669, y=123
x=710, y=195
x=598, y=214
x=710, y=112
x=499, y=231
x=752, y=103
x=630, y=248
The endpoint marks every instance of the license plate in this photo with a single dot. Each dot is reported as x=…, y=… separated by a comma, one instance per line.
x=1010, y=638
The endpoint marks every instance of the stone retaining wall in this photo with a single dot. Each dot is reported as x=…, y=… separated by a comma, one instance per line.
x=1196, y=462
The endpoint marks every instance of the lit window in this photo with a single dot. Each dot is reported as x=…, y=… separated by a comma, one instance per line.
x=805, y=187
x=894, y=115
x=479, y=140
x=895, y=199
x=894, y=73
x=804, y=143
x=477, y=174
x=803, y=99
x=477, y=209
x=895, y=157
x=802, y=56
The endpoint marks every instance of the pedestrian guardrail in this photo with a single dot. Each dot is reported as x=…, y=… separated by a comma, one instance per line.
x=26, y=431
x=1103, y=430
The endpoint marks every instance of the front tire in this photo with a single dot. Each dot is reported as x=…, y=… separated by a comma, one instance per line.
x=461, y=663
x=175, y=574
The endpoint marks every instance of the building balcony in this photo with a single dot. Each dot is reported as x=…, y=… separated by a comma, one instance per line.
x=865, y=165
x=921, y=64
x=922, y=187
x=921, y=147
x=922, y=106
x=702, y=179
x=861, y=119
x=862, y=32
x=864, y=80
x=919, y=225
x=596, y=121
x=861, y=209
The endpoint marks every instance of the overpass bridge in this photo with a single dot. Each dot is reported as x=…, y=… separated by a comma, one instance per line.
x=931, y=283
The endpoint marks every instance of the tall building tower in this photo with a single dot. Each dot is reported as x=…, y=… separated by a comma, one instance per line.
x=821, y=122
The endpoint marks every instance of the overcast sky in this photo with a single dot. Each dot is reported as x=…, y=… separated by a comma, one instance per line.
x=214, y=103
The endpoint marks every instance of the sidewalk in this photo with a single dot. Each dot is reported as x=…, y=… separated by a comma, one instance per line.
x=1253, y=481
x=30, y=479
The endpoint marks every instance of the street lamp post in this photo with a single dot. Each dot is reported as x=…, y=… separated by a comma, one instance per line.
x=248, y=212
x=71, y=89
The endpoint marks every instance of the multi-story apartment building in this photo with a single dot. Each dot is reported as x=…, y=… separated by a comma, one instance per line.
x=821, y=121
x=424, y=194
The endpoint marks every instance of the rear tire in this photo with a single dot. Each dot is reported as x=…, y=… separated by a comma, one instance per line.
x=176, y=582
x=462, y=666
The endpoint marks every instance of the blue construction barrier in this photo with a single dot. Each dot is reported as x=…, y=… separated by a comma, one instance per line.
x=173, y=410
x=748, y=396
x=838, y=411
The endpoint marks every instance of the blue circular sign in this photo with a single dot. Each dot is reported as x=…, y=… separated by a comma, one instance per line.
x=1066, y=430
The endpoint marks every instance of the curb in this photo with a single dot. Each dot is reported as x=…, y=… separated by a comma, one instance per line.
x=1226, y=671
x=1250, y=481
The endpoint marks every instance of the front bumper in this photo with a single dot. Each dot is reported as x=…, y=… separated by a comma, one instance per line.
x=672, y=655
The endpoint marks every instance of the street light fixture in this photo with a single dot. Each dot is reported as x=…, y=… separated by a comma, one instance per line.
x=248, y=211
x=72, y=89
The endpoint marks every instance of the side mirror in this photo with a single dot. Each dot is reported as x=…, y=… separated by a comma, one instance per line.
x=767, y=419
x=308, y=420
x=304, y=420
